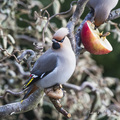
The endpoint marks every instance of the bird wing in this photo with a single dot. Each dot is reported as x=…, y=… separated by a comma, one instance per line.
x=42, y=67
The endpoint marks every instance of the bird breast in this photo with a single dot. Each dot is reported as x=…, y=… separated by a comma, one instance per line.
x=66, y=63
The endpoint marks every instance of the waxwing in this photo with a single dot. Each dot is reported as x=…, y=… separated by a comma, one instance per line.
x=101, y=9
x=55, y=66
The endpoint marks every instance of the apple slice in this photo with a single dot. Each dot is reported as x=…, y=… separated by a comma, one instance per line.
x=93, y=40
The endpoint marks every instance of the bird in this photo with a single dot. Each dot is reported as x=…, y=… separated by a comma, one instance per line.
x=102, y=9
x=55, y=66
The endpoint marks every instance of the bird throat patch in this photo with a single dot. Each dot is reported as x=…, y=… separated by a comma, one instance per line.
x=56, y=45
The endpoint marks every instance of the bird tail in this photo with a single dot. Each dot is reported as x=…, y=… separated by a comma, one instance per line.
x=30, y=90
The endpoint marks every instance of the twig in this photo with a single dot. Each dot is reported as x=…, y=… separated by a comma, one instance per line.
x=12, y=93
x=10, y=55
x=47, y=6
x=92, y=86
x=20, y=68
x=95, y=106
x=89, y=16
x=53, y=17
x=59, y=107
x=114, y=14
x=29, y=60
x=114, y=107
x=25, y=37
x=115, y=24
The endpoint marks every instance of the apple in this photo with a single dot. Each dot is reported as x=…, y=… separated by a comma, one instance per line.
x=93, y=40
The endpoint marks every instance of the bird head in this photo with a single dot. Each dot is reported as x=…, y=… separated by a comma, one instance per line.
x=59, y=37
x=100, y=16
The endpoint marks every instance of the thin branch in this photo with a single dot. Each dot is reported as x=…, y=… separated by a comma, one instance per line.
x=26, y=37
x=114, y=14
x=47, y=6
x=59, y=107
x=53, y=17
x=31, y=57
x=20, y=68
x=92, y=86
x=114, y=107
x=10, y=55
x=89, y=16
x=95, y=104
x=12, y=93
x=74, y=19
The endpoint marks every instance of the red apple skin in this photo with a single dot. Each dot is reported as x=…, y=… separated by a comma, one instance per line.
x=91, y=42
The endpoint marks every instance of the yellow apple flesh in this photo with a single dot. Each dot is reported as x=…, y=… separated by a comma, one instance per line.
x=92, y=40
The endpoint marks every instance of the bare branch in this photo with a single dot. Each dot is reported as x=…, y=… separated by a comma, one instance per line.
x=95, y=104
x=114, y=107
x=29, y=60
x=114, y=14
x=26, y=37
x=77, y=36
x=9, y=55
x=53, y=17
x=59, y=107
x=92, y=86
x=74, y=19
x=12, y=93
x=20, y=68
x=28, y=104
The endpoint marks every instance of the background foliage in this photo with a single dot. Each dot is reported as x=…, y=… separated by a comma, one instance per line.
x=21, y=29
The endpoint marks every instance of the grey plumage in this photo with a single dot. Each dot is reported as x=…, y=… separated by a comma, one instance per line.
x=55, y=65
x=62, y=67
x=101, y=9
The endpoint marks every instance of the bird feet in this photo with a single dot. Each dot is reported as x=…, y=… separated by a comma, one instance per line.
x=54, y=92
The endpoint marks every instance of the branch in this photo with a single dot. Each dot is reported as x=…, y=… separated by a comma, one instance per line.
x=11, y=92
x=59, y=107
x=114, y=107
x=29, y=60
x=49, y=18
x=74, y=19
x=114, y=14
x=92, y=86
x=8, y=54
x=28, y=104
x=28, y=38
x=77, y=36
x=20, y=68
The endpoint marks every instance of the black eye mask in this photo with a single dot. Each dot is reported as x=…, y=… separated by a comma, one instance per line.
x=60, y=40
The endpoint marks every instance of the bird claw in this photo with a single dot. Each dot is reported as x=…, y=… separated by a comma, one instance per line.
x=54, y=92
